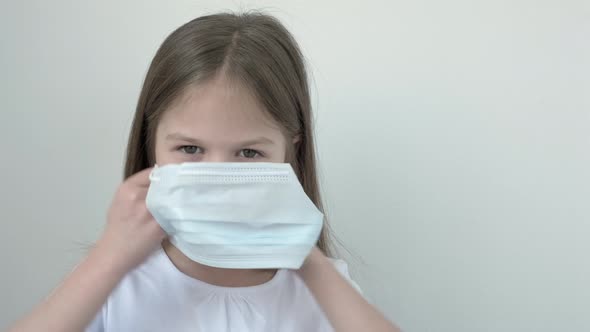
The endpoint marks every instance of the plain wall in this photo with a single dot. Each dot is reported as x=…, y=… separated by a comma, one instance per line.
x=453, y=140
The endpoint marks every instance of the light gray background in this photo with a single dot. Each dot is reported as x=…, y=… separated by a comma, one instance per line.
x=453, y=139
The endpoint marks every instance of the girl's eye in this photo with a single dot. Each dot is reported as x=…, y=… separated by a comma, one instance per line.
x=189, y=149
x=249, y=153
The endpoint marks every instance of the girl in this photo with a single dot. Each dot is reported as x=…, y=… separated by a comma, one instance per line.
x=221, y=88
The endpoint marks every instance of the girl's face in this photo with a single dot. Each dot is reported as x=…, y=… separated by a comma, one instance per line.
x=218, y=122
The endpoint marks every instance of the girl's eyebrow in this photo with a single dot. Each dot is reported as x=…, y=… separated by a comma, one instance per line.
x=259, y=140
x=181, y=137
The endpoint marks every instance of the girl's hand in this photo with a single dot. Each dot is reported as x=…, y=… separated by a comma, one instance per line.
x=131, y=233
x=344, y=307
x=315, y=258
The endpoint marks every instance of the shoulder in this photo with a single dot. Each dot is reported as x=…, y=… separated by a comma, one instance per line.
x=141, y=287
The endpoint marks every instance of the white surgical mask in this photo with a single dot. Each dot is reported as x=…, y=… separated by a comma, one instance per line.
x=235, y=215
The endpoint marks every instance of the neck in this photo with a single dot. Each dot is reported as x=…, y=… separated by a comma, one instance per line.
x=214, y=275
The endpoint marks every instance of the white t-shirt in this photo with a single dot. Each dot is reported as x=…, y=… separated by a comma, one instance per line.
x=156, y=296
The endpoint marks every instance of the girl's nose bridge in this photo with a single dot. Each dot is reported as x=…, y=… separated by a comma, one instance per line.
x=218, y=155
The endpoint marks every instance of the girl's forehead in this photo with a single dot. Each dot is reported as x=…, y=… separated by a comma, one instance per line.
x=218, y=107
x=219, y=98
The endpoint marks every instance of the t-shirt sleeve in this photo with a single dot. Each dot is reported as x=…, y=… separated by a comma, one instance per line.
x=97, y=324
x=342, y=267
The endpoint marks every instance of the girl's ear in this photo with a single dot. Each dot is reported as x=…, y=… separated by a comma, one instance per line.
x=292, y=148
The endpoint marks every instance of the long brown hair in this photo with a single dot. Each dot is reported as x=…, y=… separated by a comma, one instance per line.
x=251, y=48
